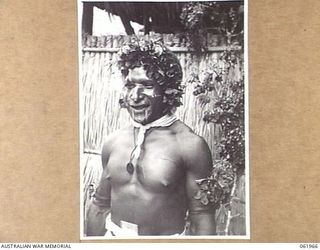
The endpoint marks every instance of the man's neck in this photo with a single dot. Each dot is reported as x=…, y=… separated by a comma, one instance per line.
x=163, y=121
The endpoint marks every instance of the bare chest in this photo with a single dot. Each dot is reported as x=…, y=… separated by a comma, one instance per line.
x=157, y=169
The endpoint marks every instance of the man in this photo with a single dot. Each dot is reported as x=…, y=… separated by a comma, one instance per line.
x=150, y=169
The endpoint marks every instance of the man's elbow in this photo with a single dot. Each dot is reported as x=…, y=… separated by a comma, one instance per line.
x=203, y=224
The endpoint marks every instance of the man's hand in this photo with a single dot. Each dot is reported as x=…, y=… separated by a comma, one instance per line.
x=99, y=208
x=96, y=217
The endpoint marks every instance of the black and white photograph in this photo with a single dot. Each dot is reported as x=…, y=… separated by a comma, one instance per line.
x=163, y=102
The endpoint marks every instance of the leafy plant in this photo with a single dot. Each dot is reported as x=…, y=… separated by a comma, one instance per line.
x=226, y=81
x=225, y=18
x=217, y=187
x=222, y=84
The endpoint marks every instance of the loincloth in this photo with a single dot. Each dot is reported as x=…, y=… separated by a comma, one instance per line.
x=114, y=230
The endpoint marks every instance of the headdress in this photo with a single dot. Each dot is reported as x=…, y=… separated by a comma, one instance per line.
x=160, y=64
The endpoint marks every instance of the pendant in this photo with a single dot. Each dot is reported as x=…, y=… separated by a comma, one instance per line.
x=130, y=168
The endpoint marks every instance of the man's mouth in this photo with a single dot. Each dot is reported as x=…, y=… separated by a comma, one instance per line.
x=139, y=107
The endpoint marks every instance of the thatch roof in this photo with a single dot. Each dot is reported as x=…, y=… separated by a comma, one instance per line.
x=162, y=17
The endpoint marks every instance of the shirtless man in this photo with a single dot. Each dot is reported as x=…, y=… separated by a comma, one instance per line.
x=150, y=169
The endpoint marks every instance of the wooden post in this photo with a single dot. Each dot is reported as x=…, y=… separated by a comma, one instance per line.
x=126, y=23
x=87, y=18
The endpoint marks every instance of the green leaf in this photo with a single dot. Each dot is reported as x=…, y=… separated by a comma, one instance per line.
x=198, y=195
x=204, y=186
x=200, y=181
x=204, y=200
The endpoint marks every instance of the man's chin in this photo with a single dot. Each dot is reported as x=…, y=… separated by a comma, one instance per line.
x=141, y=121
x=143, y=117
x=140, y=118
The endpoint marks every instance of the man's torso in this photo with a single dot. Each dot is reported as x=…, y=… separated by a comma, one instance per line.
x=153, y=196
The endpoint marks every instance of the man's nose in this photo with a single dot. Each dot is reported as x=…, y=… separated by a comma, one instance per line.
x=135, y=94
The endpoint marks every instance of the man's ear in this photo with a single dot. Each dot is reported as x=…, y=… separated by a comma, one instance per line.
x=123, y=78
x=122, y=103
x=124, y=73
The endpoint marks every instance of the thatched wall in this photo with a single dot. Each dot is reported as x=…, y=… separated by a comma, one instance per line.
x=101, y=87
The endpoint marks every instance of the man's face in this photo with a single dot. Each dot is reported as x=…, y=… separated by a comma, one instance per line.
x=142, y=96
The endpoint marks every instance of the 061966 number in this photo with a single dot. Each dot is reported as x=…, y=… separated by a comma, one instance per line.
x=310, y=245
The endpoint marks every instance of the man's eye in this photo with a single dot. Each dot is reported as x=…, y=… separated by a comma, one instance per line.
x=129, y=85
x=149, y=85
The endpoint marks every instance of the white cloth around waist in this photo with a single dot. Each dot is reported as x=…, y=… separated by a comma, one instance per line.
x=114, y=230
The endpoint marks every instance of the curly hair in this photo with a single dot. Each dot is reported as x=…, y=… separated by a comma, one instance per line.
x=160, y=63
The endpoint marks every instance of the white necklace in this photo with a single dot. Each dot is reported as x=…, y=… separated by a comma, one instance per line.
x=164, y=121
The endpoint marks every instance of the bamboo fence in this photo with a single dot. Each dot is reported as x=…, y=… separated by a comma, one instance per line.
x=101, y=113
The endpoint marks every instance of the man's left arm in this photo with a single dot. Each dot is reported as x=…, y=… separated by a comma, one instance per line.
x=198, y=163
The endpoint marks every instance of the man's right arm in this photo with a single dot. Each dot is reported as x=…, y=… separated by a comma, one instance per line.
x=99, y=207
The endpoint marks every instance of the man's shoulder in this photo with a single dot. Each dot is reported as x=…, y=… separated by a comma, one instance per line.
x=118, y=133
x=194, y=150
x=116, y=136
x=110, y=142
x=188, y=140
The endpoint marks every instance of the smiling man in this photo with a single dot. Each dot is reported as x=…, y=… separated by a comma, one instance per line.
x=150, y=169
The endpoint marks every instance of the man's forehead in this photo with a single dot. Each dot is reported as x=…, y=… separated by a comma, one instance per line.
x=138, y=73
